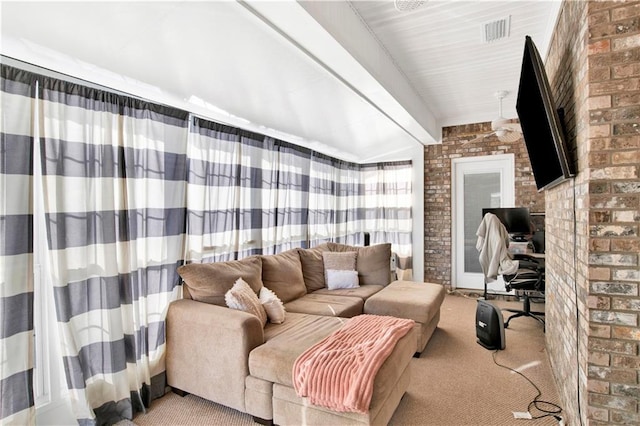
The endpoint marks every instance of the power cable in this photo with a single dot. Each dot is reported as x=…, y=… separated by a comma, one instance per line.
x=549, y=409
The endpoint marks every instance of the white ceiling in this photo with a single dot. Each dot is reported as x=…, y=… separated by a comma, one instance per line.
x=358, y=80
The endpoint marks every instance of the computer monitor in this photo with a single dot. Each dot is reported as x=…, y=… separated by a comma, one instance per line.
x=515, y=219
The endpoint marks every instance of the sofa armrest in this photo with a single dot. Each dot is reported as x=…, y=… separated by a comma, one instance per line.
x=208, y=350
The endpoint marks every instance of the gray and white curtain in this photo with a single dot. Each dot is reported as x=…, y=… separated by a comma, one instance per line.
x=17, y=89
x=388, y=201
x=247, y=194
x=114, y=177
x=131, y=190
x=335, y=201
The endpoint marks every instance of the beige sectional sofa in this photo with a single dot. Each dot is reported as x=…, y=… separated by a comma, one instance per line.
x=229, y=357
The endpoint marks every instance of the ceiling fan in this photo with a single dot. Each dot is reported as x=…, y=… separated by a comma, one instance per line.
x=501, y=127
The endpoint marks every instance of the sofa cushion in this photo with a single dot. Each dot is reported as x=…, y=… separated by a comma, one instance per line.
x=284, y=343
x=327, y=305
x=372, y=262
x=243, y=298
x=363, y=291
x=273, y=360
x=282, y=273
x=272, y=305
x=313, y=267
x=418, y=301
x=209, y=282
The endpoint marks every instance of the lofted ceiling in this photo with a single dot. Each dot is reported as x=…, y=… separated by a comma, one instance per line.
x=358, y=80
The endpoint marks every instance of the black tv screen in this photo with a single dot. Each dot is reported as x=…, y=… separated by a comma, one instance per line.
x=540, y=121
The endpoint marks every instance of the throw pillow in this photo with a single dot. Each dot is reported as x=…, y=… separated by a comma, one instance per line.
x=313, y=267
x=337, y=279
x=243, y=298
x=282, y=273
x=209, y=282
x=373, y=264
x=343, y=261
x=272, y=305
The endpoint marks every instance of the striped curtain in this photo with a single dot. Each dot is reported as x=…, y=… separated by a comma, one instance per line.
x=247, y=194
x=114, y=181
x=130, y=192
x=335, y=201
x=388, y=201
x=17, y=89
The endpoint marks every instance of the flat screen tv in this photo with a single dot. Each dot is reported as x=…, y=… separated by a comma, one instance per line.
x=541, y=124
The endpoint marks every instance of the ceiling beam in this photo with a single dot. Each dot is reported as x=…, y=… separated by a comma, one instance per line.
x=333, y=35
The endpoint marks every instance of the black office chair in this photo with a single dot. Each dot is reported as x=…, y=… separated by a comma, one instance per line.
x=527, y=278
x=528, y=283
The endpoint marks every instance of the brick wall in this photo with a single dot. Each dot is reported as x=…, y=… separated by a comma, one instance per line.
x=592, y=221
x=567, y=211
x=593, y=238
x=437, y=189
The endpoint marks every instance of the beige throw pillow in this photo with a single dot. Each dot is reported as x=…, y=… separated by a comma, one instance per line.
x=339, y=269
x=272, y=305
x=313, y=267
x=209, y=282
x=243, y=298
x=282, y=274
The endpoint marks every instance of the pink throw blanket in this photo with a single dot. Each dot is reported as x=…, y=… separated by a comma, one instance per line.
x=338, y=372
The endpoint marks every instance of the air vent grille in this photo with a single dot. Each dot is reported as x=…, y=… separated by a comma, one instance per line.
x=496, y=30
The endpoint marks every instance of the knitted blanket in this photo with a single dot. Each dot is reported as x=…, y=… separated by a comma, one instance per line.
x=338, y=372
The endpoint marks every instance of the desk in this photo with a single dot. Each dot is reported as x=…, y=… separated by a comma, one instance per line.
x=533, y=255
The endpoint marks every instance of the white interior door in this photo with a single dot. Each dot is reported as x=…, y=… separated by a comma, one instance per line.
x=477, y=183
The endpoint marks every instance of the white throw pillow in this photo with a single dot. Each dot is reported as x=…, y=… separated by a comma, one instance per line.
x=272, y=305
x=337, y=278
x=243, y=298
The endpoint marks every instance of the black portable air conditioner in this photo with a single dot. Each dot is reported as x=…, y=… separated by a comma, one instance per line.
x=489, y=326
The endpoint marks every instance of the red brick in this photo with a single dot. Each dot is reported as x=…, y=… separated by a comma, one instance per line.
x=629, y=333
x=600, y=46
x=598, y=302
x=627, y=11
x=598, y=386
x=626, y=157
x=614, y=86
x=601, y=414
x=626, y=99
x=630, y=245
x=625, y=70
x=626, y=362
x=599, y=358
x=596, y=273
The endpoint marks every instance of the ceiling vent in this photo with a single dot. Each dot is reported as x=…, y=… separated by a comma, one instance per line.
x=496, y=30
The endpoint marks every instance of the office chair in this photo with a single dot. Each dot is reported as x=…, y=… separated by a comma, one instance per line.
x=528, y=283
x=522, y=274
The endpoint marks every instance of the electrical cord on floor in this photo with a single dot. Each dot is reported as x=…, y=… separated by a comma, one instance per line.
x=549, y=409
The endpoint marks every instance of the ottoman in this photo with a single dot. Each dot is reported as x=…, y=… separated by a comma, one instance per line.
x=412, y=300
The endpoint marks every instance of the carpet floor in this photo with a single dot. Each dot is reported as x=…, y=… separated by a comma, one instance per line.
x=454, y=382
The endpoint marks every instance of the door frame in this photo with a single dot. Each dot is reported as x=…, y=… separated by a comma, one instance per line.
x=505, y=165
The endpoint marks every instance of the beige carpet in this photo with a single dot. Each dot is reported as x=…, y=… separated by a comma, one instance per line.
x=454, y=382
